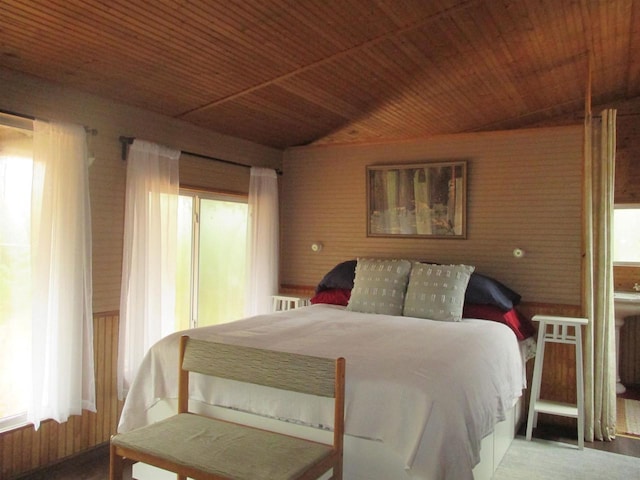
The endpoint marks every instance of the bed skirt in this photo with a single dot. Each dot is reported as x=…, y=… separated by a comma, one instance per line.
x=363, y=459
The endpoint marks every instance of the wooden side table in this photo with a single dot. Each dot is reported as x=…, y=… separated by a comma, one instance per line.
x=558, y=333
x=283, y=303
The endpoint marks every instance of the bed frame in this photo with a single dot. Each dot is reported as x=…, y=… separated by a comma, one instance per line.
x=363, y=459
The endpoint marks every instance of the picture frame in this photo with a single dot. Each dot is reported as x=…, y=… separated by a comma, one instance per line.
x=418, y=200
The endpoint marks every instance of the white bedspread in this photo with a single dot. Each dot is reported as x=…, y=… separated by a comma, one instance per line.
x=428, y=390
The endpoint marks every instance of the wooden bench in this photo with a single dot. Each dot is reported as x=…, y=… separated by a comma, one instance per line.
x=204, y=448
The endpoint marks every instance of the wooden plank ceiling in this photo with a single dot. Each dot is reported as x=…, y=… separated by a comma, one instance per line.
x=296, y=72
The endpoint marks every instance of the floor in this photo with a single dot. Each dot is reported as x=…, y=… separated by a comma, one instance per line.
x=623, y=444
x=94, y=465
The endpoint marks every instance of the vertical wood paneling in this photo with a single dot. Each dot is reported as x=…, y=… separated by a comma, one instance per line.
x=524, y=190
x=23, y=449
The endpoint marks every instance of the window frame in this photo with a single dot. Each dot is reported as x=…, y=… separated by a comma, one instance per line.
x=622, y=206
x=197, y=194
x=17, y=420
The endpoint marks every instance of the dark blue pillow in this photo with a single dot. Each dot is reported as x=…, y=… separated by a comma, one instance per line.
x=485, y=290
x=340, y=276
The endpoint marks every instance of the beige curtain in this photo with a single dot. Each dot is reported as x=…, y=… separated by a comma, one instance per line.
x=600, y=361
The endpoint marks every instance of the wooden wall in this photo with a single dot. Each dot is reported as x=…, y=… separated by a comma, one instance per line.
x=24, y=449
x=524, y=190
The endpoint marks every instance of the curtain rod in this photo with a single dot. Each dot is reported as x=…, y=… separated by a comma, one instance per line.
x=90, y=130
x=126, y=141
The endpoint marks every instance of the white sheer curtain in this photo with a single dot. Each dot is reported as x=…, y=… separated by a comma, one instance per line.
x=600, y=360
x=62, y=318
x=262, y=241
x=147, y=297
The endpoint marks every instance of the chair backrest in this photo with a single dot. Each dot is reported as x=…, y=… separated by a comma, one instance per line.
x=285, y=371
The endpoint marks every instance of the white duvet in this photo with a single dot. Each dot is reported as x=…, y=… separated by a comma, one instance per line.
x=429, y=391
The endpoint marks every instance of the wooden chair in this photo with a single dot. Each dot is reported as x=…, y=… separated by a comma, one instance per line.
x=206, y=448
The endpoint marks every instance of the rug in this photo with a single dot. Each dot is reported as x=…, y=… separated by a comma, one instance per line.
x=628, y=417
x=544, y=460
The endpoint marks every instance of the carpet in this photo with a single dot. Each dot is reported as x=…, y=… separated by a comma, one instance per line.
x=543, y=459
x=628, y=417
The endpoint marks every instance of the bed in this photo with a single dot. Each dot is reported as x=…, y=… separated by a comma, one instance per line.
x=425, y=399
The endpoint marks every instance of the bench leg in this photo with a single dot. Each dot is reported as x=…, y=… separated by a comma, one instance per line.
x=115, y=464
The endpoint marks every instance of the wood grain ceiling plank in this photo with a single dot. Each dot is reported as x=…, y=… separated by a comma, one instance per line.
x=508, y=43
x=271, y=28
x=450, y=87
x=324, y=88
x=420, y=22
x=350, y=23
x=80, y=49
x=621, y=29
x=88, y=25
x=577, y=48
x=405, y=12
x=432, y=81
x=372, y=70
x=557, y=51
x=404, y=82
x=282, y=107
x=545, y=53
x=236, y=119
x=593, y=13
x=395, y=104
x=607, y=79
x=578, y=45
x=405, y=105
x=219, y=61
x=475, y=35
x=311, y=29
x=541, y=68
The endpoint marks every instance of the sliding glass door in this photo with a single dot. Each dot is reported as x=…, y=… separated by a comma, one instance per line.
x=211, y=259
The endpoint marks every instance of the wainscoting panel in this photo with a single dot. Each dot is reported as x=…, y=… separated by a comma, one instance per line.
x=23, y=450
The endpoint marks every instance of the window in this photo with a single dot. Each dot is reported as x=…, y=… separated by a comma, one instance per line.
x=626, y=235
x=211, y=259
x=16, y=150
x=45, y=273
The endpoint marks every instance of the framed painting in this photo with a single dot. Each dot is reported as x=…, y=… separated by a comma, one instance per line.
x=417, y=200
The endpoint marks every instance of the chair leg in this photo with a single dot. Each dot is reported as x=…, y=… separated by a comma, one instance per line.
x=115, y=464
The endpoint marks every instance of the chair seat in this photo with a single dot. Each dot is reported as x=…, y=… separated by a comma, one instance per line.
x=224, y=448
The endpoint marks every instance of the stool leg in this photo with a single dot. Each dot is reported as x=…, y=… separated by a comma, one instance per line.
x=537, y=379
x=579, y=386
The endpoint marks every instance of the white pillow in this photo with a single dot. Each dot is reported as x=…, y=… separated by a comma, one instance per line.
x=379, y=286
x=437, y=291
